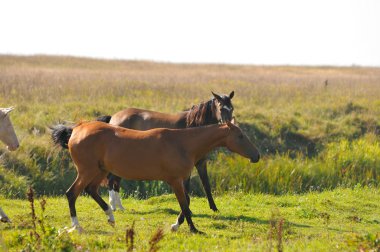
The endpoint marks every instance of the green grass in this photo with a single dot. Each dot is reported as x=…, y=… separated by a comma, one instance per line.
x=338, y=220
x=311, y=136
x=320, y=146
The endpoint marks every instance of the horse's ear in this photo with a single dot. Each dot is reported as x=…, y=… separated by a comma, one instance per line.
x=232, y=94
x=217, y=97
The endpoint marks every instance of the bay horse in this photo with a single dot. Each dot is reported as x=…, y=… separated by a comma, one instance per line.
x=169, y=155
x=218, y=109
x=9, y=138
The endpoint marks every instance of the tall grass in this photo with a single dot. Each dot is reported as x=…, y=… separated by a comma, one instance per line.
x=343, y=163
x=312, y=136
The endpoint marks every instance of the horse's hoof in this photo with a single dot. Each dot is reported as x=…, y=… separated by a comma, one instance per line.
x=112, y=223
x=74, y=228
x=175, y=227
x=5, y=220
x=214, y=208
x=196, y=231
x=121, y=208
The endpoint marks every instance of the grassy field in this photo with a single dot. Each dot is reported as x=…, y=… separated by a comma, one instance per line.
x=317, y=129
x=312, y=134
x=339, y=220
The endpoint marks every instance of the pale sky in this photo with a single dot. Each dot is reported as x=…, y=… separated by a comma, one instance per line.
x=269, y=32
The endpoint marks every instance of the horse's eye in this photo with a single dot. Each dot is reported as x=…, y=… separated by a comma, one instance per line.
x=240, y=136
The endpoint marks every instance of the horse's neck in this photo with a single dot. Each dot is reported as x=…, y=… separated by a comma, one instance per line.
x=205, y=139
x=210, y=114
x=180, y=122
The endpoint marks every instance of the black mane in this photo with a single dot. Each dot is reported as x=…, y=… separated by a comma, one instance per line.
x=202, y=114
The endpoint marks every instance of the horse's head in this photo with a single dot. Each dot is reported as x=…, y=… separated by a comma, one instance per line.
x=237, y=141
x=7, y=133
x=224, y=107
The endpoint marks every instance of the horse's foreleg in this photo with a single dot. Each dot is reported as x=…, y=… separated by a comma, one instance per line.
x=179, y=191
x=181, y=216
x=92, y=190
x=202, y=171
x=3, y=216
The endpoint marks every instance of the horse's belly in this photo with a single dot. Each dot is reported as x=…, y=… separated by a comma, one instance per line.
x=140, y=171
x=148, y=161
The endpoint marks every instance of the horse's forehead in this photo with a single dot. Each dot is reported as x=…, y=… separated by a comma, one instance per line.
x=226, y=100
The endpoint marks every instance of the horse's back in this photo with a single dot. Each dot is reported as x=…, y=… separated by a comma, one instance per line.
x=96, y=134
x=143, y=119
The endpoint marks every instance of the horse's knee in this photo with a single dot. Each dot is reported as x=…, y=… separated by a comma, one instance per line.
x=116, y=182
x=110, y=179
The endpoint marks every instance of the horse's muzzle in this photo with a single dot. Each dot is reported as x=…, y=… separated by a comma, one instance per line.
x=12, y=148
x=256, y=159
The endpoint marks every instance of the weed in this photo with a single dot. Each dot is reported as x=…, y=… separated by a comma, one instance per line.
x=276, y=230
x=367, y=242
x=156, y=238
x=33, y=233
x=47, y=239
x=130, y=237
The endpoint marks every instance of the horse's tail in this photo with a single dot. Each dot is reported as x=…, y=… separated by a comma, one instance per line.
x=61, y=135
x=106, y=119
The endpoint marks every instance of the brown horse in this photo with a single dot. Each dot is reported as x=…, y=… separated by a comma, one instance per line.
x=169, y=155
x=218, y=109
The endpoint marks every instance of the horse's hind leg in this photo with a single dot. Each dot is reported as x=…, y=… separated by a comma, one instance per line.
x=85, y=175
x=72, y=194
x=113, y=191
x=92, y=190
x=3, y=216
x=202, y=171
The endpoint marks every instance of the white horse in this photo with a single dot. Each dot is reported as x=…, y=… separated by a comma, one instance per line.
x=8, y=137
